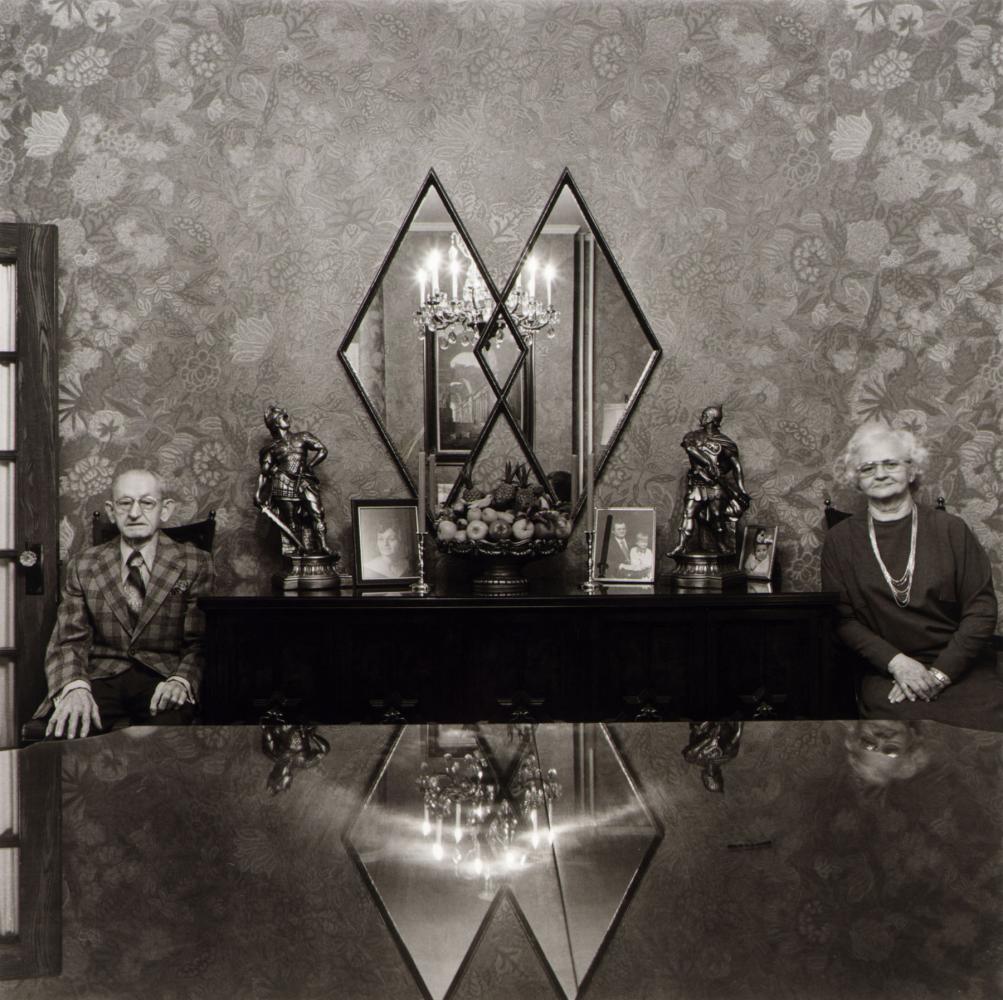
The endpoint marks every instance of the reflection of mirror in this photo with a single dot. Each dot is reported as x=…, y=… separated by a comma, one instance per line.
x=430, y=338
x=436, y=860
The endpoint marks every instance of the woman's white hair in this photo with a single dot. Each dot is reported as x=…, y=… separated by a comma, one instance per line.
x=915, y=450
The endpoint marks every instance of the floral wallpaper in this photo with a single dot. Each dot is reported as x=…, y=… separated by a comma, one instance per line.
x=804, y=195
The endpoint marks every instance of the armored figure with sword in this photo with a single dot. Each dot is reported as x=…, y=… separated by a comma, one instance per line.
x=715, y=501
x=288, y=494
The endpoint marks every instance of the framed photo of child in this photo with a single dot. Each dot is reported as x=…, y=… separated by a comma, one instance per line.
x=624, y=550
x=759, y=551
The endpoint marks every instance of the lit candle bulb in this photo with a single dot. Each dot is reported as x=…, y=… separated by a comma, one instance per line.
x=421, y=284
x=548, y=274
x=535, y=836
x=437, y=846
x=426, y=827
x=454, y=268
x=433, y=267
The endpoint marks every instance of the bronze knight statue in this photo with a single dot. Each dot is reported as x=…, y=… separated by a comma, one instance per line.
x=288, y=494
x=715, y=500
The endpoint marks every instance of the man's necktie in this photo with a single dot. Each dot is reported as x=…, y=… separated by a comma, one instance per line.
x=135, y=589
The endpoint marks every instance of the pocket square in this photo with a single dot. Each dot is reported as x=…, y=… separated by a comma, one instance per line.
x=181, y=587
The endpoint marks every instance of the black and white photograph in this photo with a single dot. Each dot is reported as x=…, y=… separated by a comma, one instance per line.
x=759, y=550
x=501, y=499
x=385, y=533
x=624, y=545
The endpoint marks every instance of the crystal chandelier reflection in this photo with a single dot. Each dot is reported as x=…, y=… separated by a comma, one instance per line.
x=462, y=315
x=482, y=830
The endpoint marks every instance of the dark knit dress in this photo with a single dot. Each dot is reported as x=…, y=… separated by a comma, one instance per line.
x=948, y=623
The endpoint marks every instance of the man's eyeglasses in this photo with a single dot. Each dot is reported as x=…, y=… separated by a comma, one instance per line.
x=124, y=504
x=889, y=465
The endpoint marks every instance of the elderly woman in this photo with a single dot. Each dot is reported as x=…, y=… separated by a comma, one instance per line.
x=916, y=592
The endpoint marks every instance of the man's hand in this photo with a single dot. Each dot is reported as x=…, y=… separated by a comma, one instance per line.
x=912, y=678
x=75, y=712
x=168, y=694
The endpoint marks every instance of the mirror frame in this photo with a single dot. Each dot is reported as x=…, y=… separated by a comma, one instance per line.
x=523, y=364
x=431, y=182
x=501, y=313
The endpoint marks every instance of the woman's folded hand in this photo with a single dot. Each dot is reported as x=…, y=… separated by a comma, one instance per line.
x=912, y=678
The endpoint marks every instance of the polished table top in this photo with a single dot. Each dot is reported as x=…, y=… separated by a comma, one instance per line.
x=836, y=862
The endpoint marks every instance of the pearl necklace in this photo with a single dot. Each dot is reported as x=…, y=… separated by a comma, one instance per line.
x=902, y=587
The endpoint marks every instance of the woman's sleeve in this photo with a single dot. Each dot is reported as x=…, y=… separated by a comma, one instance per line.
x=974, y=586
x=852, y=632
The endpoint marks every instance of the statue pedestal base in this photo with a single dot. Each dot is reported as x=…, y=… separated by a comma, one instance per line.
x=311, y=572
x=706, y=572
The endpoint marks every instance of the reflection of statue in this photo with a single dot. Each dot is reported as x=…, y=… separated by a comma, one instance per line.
x=288, y=490
x=291, y=747
x=715, y=491
x=711, y=745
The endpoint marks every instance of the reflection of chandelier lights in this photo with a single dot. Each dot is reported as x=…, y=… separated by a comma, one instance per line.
x=461, y=315
x=485, y=839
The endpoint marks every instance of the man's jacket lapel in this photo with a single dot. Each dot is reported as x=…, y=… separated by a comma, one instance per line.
x=166, y=569
x=108, y=581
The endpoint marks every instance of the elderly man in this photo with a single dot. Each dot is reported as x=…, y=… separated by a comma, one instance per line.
x=128, y=637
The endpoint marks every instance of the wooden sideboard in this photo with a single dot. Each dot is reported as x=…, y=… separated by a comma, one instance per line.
x=361, y=656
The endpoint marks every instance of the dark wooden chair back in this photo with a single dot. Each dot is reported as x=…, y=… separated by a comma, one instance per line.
x=833, y=515
x=199, y=533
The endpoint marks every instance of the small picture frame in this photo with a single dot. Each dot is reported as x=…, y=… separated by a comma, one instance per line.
x=385, y=536
x=624, y=550
x=759, y=551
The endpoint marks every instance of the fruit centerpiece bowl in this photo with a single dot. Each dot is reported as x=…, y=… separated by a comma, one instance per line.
x=502, y=529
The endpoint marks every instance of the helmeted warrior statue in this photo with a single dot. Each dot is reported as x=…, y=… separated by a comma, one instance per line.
x=288, y=494
x=715, y=500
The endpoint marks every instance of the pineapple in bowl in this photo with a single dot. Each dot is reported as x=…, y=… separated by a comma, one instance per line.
x=503, y=527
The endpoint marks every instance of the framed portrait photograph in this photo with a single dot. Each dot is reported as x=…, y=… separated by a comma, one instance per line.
x=624, y=549
x=758, y=552
x=385, y=537
x=463, y=397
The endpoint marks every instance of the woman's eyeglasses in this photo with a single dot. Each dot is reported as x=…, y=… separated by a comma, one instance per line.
x=124, y=504
x=880, y=746
x=889, y=465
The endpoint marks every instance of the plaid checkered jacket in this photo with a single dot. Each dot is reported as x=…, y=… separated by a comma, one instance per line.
x=93, y=636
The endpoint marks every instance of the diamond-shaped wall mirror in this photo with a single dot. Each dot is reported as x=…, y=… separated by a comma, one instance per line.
x=459, y=814
x=431, y=339
x=600, y=337
x=410, y=349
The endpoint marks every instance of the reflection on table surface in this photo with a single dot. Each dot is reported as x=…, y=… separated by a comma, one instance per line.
x=548, y=813
x=824, y=859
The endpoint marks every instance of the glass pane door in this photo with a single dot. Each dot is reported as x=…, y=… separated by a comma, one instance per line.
x=8, y=408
